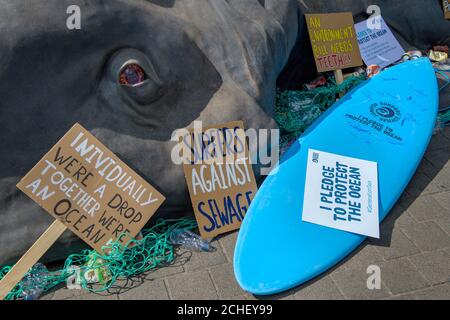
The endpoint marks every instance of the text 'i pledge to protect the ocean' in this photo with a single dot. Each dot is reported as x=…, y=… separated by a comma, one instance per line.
x=342, y=193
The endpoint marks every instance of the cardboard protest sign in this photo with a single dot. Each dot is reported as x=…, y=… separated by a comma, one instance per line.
x=220, y=177
x=89, y=189
x=333, y=40
x=378, y=46
x=446, y=4
x=341, y=193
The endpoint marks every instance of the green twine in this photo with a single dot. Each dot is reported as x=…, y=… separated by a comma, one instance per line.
x=121, y=261
x=295, y=111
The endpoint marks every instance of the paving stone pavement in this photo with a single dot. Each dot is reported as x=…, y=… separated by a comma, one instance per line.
x=413, y=254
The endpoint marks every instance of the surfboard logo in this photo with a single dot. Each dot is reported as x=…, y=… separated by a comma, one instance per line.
x=385, y=111
x=315, y=157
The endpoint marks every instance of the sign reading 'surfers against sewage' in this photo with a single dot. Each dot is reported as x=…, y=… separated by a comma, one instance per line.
x=342, y=193
x=220, y=177
x=89, y=189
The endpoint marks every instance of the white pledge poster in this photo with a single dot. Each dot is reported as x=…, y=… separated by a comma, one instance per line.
x=341, y=193
x=377, y=43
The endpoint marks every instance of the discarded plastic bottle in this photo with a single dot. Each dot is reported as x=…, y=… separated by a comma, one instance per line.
x=34, y=282
x=190, y=240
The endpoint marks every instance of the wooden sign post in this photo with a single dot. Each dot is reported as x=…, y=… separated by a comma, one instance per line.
x=339, y=76
x=90, y=191
x=31, y=257
x=220, y=177
x=334, y=43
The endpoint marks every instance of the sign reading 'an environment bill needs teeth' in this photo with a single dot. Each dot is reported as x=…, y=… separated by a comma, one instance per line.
x=89, y=189
x=220, y=177
x=333, y=40
x=341, y=193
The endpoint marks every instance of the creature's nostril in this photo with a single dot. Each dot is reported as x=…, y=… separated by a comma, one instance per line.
x=132, y=74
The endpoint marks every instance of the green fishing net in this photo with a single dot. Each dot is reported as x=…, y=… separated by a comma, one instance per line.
x=136, y=257
x=295, y=111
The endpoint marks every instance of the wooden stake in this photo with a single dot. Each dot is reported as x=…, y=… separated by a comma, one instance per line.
x=339, y=76
x=31, y=257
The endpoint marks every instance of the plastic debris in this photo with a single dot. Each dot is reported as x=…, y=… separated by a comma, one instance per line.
x=97, y=271
x=189, y=240
x=34, y=282
x=373, y=70
x=318, y=82
x=443, y=65
x=437, y=56
x=412, y=55
x=441, y=49
x=358, y=73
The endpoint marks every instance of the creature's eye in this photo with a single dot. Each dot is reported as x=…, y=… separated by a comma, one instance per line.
x=132, y=74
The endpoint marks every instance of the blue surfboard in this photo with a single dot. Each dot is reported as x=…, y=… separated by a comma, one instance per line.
x=275, y=249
